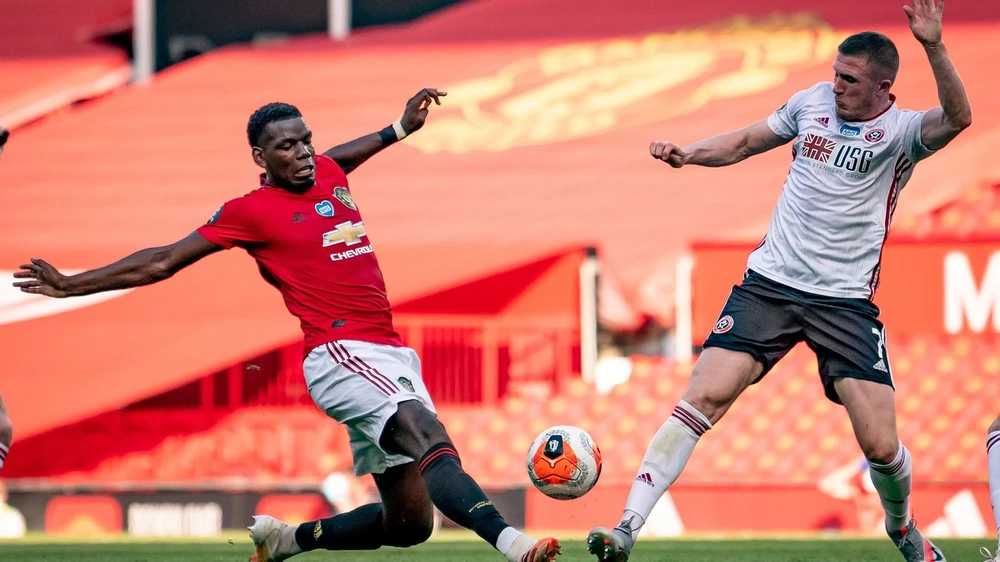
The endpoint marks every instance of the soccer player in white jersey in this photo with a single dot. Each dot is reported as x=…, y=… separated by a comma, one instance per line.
x=993, y=460
x=813, y=276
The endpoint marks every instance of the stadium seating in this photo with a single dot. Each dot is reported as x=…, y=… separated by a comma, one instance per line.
x=48, y=59
x=975, y=215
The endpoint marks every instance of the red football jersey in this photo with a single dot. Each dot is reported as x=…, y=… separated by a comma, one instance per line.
x=314, y=249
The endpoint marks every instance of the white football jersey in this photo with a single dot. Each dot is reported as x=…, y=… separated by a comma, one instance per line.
x=832, y=218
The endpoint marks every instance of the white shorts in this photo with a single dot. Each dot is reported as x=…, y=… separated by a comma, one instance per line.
x=361, y=384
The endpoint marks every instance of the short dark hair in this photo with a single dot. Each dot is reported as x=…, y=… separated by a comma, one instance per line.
x=265, y=116
x=876, y=48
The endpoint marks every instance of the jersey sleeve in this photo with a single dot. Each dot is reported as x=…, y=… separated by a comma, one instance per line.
x=910, y=125
x=328, y=169
x=232, y=225
x=784, y=122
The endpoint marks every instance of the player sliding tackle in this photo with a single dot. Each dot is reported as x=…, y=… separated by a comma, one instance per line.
x=304, y=229
x=814, y=275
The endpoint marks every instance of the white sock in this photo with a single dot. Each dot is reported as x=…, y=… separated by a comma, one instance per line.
x=513, y=543
x=663, y=462
x=892, y=482
x=993, y=461
x=290, y=546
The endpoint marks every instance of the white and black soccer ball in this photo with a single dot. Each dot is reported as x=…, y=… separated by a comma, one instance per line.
x=564, y=462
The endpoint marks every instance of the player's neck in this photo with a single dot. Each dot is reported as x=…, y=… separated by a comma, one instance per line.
x=296, y=189
x=881, y=107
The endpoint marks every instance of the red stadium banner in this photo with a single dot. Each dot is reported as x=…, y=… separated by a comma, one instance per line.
x=294, y=509
x=83, y=516
x=926, y=287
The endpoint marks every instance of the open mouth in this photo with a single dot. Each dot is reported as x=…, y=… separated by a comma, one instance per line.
x=304, y=171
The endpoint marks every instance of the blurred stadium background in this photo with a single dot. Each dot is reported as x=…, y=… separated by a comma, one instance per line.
x=544, y=267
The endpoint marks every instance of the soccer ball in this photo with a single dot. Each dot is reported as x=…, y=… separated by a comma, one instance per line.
x=564, y=462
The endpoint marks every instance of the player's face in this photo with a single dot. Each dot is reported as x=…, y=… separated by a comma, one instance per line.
x=287, y=155
x=858, y=91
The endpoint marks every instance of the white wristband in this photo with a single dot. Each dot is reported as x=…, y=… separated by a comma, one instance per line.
x=397, y=127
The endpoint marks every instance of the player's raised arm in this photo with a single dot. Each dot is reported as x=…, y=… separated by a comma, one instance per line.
x=941, y=124
x=141, y=268
x=720, y=150
x=352, y=154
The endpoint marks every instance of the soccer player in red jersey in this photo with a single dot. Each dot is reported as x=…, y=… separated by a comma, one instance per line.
x=304, y=229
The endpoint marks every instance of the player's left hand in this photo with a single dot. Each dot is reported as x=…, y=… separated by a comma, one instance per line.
x=4, y=135
x=925, y=20
x=42, y=279
x=417, y=107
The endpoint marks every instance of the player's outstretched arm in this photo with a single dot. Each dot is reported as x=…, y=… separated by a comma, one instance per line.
x=352, y=154
x=141, y=268
x=941, y=124
x=720, y=150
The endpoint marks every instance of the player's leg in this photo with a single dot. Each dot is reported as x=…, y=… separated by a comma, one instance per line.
x=993, y=462
x=719, y=377
x=404, y=518
x=871, y=408
x=854, y=366
x=416, y=432
x=361, y=399
x=756, y=328
x=6, y=432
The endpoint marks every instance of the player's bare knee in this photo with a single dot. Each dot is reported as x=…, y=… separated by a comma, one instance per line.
x=995, y=426
x=711, y=400
x=719, y=376
x=881, y=451
x=709, y=406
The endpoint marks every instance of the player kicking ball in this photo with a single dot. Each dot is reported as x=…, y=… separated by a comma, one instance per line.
x=305, y=231
x=813, y=276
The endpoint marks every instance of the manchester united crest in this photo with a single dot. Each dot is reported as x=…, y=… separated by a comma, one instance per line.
x=344, y=196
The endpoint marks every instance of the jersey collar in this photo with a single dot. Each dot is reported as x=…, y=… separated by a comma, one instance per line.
x=892, y=103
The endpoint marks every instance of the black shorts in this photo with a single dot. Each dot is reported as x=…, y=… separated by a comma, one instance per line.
x=766, y=319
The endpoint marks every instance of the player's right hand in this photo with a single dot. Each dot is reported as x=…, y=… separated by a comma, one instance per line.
x=668, y=152
x=42, y=279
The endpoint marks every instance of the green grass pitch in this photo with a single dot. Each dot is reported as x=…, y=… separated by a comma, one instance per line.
x=234, y=547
